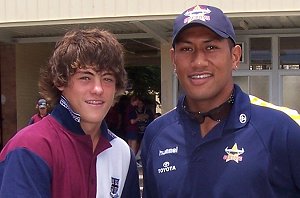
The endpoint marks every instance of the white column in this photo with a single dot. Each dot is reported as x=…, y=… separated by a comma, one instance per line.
x=168, y=87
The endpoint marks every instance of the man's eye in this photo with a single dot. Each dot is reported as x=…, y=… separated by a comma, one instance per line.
x=84, y=78
x=186, y=49
x=108, y=79
x=211, y=47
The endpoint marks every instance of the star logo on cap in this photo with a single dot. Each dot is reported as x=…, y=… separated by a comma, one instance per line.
x=197, y=13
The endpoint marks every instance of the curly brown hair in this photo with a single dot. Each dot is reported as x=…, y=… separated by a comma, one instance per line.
x=82, y=49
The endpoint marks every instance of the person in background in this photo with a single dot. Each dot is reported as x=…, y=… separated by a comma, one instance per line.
x=130, y=120
x=145, y=116
x=113, y=120
x=216, y=142
x=42, y=108
x=71, y=152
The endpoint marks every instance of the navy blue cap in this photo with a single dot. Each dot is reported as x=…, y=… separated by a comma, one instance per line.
x=42, y=103
x=209, y=16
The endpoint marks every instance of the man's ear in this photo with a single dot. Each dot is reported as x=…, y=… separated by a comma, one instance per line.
x=236, y=53
x=60, y=88
x=172, y=55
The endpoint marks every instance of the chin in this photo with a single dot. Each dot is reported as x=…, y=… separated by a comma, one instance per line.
x=92, y=119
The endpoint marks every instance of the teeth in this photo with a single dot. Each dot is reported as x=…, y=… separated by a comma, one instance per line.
x=200, y=76
x=94, y=102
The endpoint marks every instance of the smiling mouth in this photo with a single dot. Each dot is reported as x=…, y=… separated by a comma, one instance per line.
x=202, y=76
x=94, y=102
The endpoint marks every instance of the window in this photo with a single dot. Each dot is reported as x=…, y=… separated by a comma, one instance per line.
x=289, y=52
x=255, y=85
x=260, y=54
x=291, y=94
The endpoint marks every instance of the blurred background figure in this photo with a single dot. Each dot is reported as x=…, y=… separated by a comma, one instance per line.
x=144, y=117
x=130, y=124
x=42, y=108
x=113, y=120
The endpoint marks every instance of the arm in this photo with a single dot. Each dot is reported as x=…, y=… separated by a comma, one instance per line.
x=133, y=118
x=293, y=150
x=24, y=174
x=284, y=151
x=30, y=121
x=148, y=188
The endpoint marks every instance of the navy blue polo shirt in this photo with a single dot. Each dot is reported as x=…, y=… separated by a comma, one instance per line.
x=253, y=153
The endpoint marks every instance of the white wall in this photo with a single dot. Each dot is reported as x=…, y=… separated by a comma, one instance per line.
x=12, y=11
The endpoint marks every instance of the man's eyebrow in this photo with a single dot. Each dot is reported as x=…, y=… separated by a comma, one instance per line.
x=184, y=41
x=107, y=73
x=207, y=40
x=211, y=40
x=84, y=72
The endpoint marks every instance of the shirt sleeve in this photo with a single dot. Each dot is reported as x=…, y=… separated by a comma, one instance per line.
x=24, y=174
x=284, y=157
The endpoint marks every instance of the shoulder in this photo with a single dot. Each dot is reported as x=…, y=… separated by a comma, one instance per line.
x=35, y=118
x=38, y=138
x=118, y=146
x=273, y=123
x=27, y=136
x=161, y=125
x=166, y=119
x=119, y=143
x=274, y=110
x=118, y=156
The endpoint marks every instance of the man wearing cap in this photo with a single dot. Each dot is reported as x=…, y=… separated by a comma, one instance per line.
x=216, y=142
x=42, y=108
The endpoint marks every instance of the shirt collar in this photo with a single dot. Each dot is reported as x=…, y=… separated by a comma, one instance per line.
x=239, y=114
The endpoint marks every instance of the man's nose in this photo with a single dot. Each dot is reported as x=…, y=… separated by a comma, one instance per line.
x=98, y=88
x=199, y=58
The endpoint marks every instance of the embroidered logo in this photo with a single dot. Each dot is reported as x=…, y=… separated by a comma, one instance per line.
x=243, y=118
x=114, y=187
x=197, y=13
x=233, y=154
x=168, y=151
x=166, y=168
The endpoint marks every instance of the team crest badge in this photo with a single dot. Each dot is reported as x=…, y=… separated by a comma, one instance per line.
x=233, y=154
x=114, y=187
x=198, y=13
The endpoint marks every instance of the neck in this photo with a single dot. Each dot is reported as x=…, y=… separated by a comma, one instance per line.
x=93, y=131
x=217, y=114
x=95, y=141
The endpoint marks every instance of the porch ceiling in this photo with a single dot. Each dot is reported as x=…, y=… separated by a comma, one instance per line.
x=141, y=39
